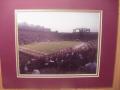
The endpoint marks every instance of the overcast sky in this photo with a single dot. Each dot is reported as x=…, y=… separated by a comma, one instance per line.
x=61, y=21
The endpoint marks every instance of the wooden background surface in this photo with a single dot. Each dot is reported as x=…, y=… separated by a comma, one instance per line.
x=116, y=83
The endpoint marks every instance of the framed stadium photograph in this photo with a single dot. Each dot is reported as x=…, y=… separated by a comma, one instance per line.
x=58, y=43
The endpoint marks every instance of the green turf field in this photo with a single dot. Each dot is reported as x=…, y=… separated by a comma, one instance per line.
x=50, y=47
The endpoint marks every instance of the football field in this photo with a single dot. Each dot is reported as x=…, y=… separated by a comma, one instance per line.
x=48, y=47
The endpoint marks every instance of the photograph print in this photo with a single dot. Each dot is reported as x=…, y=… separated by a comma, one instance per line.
x=58, y=43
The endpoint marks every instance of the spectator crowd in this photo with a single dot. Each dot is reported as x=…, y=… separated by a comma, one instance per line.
x=81, y=59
